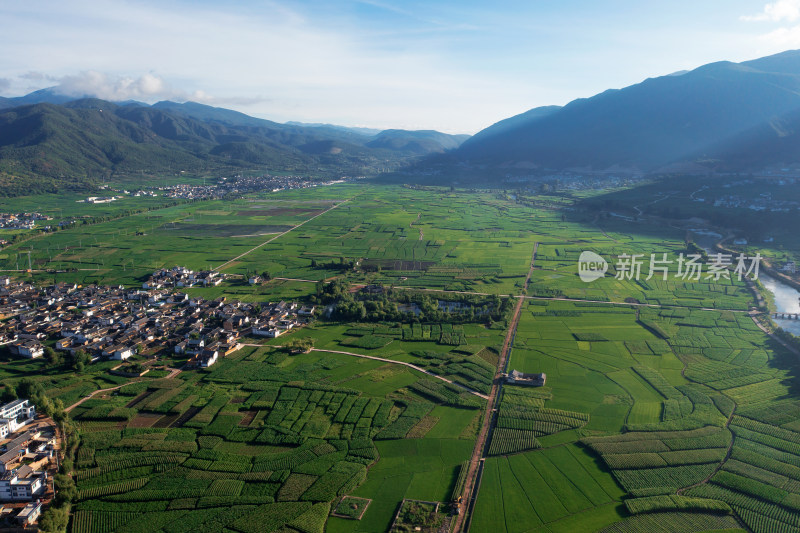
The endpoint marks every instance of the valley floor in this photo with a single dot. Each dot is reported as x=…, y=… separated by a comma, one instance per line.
x=665, y=406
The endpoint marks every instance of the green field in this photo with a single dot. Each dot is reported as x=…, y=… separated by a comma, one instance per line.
x=664, y=402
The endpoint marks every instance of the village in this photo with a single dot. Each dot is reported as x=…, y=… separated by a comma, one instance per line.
x=117, y=323
x=21, y=220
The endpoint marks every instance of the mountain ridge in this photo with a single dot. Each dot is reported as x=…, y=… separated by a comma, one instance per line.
x=648, y=125
x=70, y=143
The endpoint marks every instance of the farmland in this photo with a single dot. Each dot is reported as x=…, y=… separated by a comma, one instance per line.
x=664, y=402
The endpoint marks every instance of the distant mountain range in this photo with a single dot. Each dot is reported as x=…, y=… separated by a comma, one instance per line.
x=49, y=141
x=722, y=116
x=730, y=117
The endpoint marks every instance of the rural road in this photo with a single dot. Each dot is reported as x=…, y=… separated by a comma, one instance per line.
x=469, y=496
x=383, y=359
x=254, y=248
x=173, y=372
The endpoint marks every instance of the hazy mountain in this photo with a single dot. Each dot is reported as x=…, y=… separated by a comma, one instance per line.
x=647, y=125
x=37, y=97
x=775, y=143
x=522, y=119
x=366, y=132
x=417, y=142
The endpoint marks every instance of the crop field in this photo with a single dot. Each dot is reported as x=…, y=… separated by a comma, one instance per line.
x=666, y=399
x=310, y=443
x=664, y=402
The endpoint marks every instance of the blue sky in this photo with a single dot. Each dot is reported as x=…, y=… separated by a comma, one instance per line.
x=455, y=66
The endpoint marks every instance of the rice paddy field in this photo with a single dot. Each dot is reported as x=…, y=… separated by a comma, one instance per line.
x=665, y=407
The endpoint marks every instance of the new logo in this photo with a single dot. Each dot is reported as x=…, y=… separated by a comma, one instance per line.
x=591, y=266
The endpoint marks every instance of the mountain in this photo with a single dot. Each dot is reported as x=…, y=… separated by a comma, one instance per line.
x=509, y=124
x=88, y=138
x=367, y=132
x=49, y=96
x=417, y=142
x=775, y=143
x=645, y=126
x=48, y=146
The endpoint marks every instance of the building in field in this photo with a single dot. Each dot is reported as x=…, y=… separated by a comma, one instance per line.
x=515, y=377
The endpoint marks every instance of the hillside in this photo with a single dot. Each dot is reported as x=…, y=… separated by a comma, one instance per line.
x=645, y=126
x=51, y=146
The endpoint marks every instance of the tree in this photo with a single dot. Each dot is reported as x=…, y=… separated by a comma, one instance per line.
x=54, y=519
x=9, y=393
x=303, y=345
x=53, y=357
x=65, y=488
x=80, y=358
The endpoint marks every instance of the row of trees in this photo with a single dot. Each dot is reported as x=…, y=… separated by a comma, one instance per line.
x=384, y=305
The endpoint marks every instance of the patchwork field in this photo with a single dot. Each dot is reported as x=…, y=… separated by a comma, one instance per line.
x=665, y=407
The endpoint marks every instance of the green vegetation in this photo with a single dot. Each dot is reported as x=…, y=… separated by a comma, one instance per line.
x=664, y=402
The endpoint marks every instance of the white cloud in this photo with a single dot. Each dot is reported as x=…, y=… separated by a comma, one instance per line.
x=784, y=37
x=117, y=88
x=5, y=83
x=146, y=88
x=781, y=10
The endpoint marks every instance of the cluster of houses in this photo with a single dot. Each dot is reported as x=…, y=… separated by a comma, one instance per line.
x=24, y=458
x=239, y=185
x=181, y=277
x=21, y=220
x=116, y=323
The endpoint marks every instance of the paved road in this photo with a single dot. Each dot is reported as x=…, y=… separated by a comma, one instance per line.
x=470, y=486
x=774, y=337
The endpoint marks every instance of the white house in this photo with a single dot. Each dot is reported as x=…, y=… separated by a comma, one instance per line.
x=30, y=349
x=18, y=408
x=21, y=484
x=29, y=514
x=120, y=353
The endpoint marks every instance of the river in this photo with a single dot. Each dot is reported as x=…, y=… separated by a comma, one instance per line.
x=787, y=298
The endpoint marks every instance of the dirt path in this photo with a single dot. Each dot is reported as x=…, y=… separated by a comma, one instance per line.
x=469, y=495
x=254, y=248
x=421, y=235
x=385, y=360
x=772, y=335
x=76, y=404
x=172, y=373
x=409, y=365
x=721, y=463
